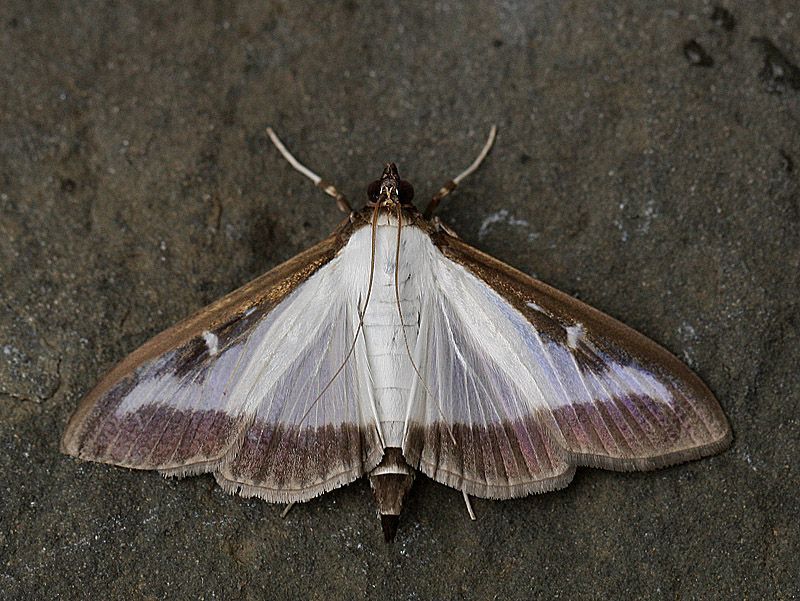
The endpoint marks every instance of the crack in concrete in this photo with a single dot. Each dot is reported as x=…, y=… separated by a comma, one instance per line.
x=36, y=399
x=19, y=398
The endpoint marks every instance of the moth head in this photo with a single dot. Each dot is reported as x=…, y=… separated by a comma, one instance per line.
x=390, y=190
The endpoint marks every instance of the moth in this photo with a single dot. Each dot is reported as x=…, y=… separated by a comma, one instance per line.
x=390, y=347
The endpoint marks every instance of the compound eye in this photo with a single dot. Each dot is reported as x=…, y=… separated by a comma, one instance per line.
x=374, y=190
x=405, y=192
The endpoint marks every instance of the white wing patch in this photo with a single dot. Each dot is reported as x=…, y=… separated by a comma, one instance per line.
x=253, y=407
x=211, y=342
x=513, y=408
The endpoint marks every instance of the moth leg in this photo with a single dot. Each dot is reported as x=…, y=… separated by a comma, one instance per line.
x=320, y=183
x=440, y=225
x=287, y=509
x=468, y=503
x=452, y=184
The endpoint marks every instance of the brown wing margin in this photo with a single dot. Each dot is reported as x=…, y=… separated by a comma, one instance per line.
x=648, y=410
x=167, y=406
x=261, y=294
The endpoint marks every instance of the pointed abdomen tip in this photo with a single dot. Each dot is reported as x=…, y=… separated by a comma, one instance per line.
x=389, y=525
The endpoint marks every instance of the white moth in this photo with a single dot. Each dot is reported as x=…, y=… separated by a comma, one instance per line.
x=392, y=347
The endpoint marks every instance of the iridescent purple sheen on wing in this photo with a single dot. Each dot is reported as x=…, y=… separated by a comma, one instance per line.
x=162, y=437
x=282, y=463
x=502, y=460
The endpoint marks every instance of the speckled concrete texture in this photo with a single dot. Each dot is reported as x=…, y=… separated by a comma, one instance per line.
x=647, y=161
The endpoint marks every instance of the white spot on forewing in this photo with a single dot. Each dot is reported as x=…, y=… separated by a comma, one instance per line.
x=186, y=392
x=211, y=342
x=574, y=335
x=535, y=307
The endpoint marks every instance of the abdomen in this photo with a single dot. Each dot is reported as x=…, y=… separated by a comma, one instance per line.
x=390, y=365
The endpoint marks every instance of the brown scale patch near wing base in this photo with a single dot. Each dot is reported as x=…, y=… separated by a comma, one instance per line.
x=495, y=461
x=285, y=464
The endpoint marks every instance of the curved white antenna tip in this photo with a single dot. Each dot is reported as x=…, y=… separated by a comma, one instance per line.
x=297, y=165
x=476, y=163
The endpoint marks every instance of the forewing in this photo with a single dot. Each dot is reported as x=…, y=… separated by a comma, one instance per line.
x=523, y=383
x=235, y=390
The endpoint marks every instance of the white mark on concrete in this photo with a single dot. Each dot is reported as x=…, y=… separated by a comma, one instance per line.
x=649, y=214
x=620, y=224
x=687, y=331
x=753, y=464
x=501, y=216
x=689, y=335
x=641, y=223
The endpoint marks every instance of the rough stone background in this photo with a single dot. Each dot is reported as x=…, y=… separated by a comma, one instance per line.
x=648, y=161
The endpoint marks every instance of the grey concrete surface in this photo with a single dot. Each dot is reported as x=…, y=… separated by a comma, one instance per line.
x=647, y=162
